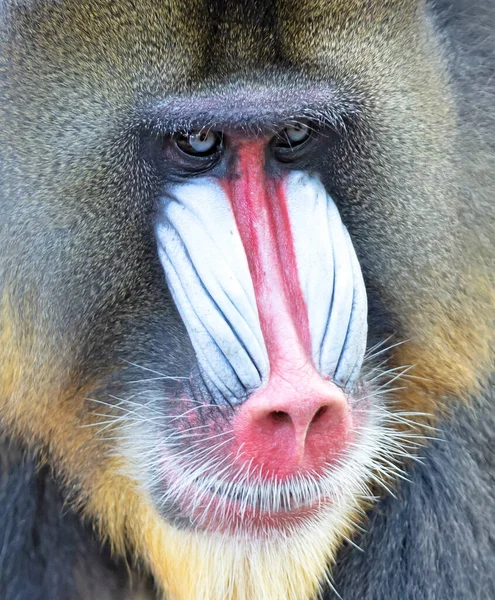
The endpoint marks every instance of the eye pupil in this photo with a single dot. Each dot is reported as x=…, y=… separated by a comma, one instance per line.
x=297, y=133
x=290, y=138
x=200, y=142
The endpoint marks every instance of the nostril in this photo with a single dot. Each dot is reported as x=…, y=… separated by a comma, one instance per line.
x=282, y=417
x=319, y=414
x=279, y=417
x=285, y=429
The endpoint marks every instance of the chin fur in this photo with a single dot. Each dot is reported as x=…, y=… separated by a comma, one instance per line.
x=195, y=565
x=282, y=564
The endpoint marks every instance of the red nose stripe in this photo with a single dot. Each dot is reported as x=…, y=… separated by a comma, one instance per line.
x=260, y=208
x=298, y=421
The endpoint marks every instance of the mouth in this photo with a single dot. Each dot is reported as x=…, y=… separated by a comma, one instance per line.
x=211, y=479
x=253, y=507
x=219, y=493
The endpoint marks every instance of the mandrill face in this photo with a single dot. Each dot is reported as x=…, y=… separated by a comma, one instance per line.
x=229, y=228
x=263, y=443
x=262, y=430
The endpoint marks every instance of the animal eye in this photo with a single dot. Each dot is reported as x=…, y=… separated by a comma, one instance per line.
x=291, y=138
x=200, y=142
x=296, y=134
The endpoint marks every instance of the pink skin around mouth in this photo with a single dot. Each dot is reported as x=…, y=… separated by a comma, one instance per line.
x=228, y=515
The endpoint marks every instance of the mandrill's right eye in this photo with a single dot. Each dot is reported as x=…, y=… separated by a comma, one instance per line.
x=200, y=143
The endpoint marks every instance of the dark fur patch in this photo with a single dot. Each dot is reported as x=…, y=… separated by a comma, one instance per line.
x=436, y=539
x=46, y=552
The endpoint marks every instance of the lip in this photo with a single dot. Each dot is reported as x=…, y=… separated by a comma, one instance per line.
x=220, y=512
x=224, y=496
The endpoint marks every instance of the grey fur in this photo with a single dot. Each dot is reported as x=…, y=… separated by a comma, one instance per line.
x=76, y=202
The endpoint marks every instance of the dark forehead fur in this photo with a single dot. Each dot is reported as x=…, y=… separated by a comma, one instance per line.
x=117, y=57
x=120, y=54
x=201, y=37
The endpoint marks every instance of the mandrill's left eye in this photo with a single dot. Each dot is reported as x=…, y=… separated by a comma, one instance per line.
x=297, y=134
x=200, y=143
x=292, y=137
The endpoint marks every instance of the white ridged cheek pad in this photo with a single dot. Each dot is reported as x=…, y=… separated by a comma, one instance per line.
x=208, y=275
x=330, y=279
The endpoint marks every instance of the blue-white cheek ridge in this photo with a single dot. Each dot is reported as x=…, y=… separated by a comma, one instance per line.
x=206, y=267
x=208, y=275
x=331, y=280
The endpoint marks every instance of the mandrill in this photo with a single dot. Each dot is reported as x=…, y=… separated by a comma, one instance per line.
x=247, y=299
